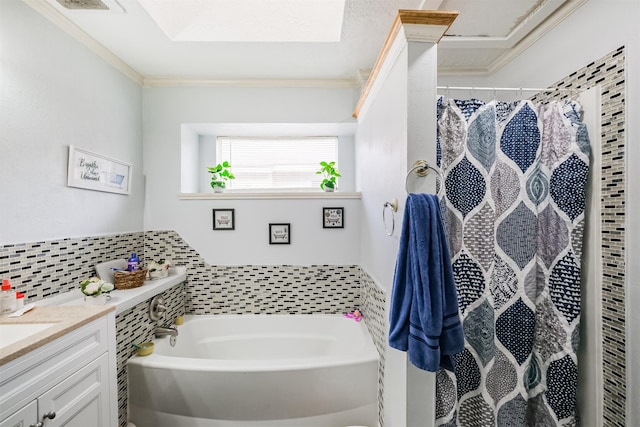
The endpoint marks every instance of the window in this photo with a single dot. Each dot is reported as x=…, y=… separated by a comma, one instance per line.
x=276, y=163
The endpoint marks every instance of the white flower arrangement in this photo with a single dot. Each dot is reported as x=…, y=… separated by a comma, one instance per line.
x=159, y=269
x=161, y=264
x=94, y=287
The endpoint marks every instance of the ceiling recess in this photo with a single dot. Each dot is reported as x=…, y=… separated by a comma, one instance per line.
x=248, y=20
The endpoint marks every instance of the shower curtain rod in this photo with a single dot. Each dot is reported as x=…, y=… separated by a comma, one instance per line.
x=514, y=89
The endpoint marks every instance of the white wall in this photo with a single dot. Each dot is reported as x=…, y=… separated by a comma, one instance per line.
x=189, y=155
x=381, y=143
x=206, y=158
x=54, y=93
x=597, y=28
x=394, y=132
x=166, y=109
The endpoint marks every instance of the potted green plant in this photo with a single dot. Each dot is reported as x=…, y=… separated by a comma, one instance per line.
x=220, y=174
x=330, y=174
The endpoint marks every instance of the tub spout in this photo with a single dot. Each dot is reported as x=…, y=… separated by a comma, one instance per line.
x=164, y=331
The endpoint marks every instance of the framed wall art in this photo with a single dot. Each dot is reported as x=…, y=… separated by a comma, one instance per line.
x=93, y=171
x=224, y=219
x=332, y=217
x=279, y=234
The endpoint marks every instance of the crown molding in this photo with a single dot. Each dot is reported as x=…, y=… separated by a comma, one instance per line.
x=53, y=15
x=281, y=83
x=512, y=49
x=540, y=31
x=457, y=72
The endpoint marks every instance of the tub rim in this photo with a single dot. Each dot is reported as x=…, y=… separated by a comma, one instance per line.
x=368, y=354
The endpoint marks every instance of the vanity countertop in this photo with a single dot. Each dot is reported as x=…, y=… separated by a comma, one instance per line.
x=64, y=319
x=68, y=311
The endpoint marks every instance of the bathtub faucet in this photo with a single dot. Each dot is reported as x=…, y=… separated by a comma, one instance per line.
x=164, y=331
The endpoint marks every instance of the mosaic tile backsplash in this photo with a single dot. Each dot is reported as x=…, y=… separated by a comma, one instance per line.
x=45, y=269
x=283, y=289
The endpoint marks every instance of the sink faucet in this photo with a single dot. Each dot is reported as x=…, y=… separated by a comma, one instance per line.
x=164, y=331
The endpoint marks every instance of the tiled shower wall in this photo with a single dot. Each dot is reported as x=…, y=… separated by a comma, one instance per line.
x=609, y=73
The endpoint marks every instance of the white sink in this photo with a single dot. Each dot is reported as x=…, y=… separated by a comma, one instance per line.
x=13, y=332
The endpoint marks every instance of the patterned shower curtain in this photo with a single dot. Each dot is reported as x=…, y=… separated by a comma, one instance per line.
x=515, y=178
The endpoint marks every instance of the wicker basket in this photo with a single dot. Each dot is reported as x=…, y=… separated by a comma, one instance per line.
x=129, y=279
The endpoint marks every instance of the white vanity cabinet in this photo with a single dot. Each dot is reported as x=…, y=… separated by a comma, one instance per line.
x=66, y=382
x=25, y=417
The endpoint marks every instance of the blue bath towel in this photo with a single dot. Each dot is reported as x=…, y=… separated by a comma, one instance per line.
x=424, y=317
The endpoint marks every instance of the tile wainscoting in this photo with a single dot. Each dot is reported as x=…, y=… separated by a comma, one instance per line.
x=373, y=307
x=258, y=289
x=48, y=268
x=134, y=326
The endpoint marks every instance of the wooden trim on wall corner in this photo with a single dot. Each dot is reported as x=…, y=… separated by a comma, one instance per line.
x=427, y=17
x=404, y=16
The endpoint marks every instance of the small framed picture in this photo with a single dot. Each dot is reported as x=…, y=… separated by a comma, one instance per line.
x=279, y=234
x=224, y=219
x=332, y=217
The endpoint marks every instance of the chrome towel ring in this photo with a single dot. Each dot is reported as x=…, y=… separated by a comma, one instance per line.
x=421, y=168
x=393, y=205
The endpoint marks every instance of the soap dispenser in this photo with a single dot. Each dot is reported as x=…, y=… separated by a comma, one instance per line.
x=7, y=298
x=19, y=301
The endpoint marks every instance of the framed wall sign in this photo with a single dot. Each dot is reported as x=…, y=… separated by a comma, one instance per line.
x=279, y=234
x=224, y=219
x=332, y=217
x=93, y=171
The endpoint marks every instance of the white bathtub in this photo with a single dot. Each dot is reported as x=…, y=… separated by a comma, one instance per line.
x=258, y=370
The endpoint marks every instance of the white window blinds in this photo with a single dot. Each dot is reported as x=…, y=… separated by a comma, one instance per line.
x=276, y=163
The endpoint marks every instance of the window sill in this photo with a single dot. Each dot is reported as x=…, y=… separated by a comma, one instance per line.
x=229, y=195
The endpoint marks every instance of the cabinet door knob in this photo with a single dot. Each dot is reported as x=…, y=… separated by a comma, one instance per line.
x=50, y=415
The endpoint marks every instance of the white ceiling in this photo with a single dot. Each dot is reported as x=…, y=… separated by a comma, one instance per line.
x=248, y=20
x=486, y=34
